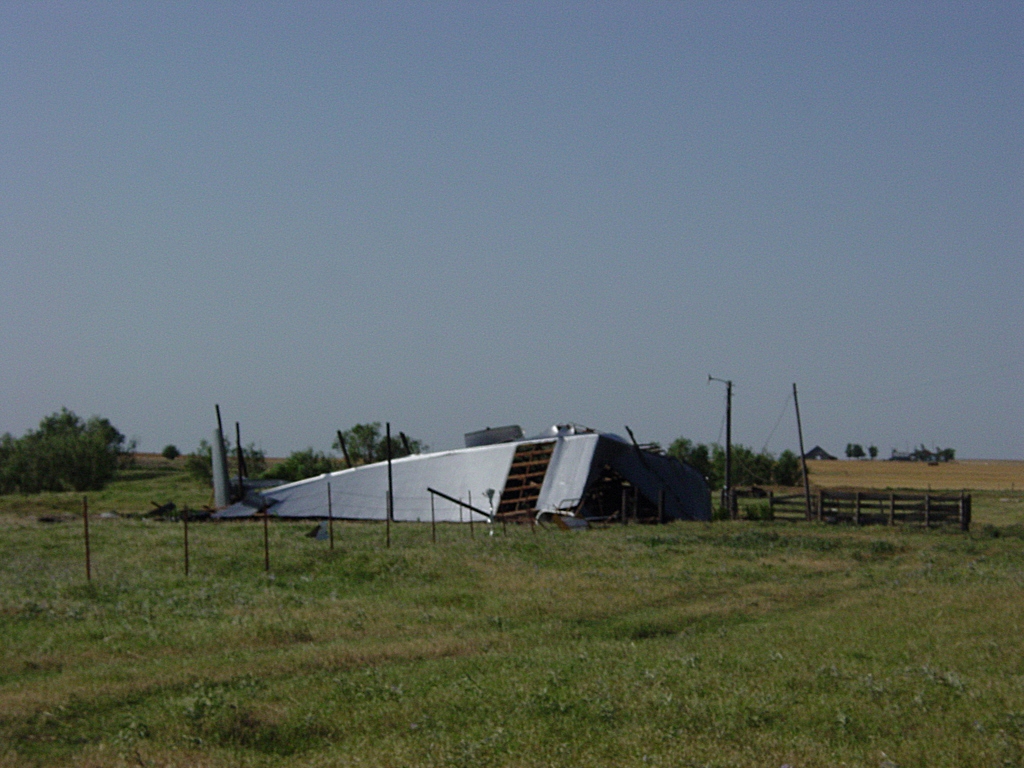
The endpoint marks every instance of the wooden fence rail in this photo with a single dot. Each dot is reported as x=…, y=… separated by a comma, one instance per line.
x=865, y=507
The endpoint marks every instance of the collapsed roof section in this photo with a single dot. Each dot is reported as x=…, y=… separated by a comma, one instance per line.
x=566, y=470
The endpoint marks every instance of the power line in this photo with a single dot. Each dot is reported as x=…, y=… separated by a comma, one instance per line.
x=778, y=421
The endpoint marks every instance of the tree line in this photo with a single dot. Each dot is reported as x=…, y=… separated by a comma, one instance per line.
x=68, y=453
x=748, y=467
x=856, y=451
x=366, y=445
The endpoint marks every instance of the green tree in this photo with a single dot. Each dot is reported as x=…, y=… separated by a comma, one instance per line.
x=748, y=467
x=255, y=461
x=922, y=453
x=300, y=465
x=366, y=444
x=873, y=451
x=697, y=456
x=170, y=452
x=787, y=469
x=66, y=453
x=199, y=463
x=854, y=451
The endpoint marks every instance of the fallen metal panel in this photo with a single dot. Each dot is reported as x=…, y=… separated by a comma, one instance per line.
x=360, y=493
x=686, y=493
x=237, y=510
x=569, y=472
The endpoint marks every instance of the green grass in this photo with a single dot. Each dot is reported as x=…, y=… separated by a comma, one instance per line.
x=131, y=493
x=732, y=644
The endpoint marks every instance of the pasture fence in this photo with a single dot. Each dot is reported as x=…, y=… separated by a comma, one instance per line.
x=862, y=506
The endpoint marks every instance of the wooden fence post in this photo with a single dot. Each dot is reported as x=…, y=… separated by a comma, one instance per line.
x=771, y=505
x=330, y=516
x=433, y=522
x=856, y=508
x=927, y=510
x=184, y=520
x=821, y=504
x=391, y=487
x=266, y=540
x=387, y=518
x=892, y=508
x=88, y=556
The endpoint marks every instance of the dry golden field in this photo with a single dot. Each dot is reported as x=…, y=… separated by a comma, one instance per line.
x=973, y=474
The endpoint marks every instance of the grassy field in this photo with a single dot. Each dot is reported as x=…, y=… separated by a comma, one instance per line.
x=154, y=479
x=731, y=644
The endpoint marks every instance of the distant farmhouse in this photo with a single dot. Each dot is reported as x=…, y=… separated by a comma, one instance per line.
x=902, y=456
x=937, y=456
x=817, y=453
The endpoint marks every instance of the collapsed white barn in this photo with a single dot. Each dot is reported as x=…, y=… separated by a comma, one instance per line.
x=568, y=470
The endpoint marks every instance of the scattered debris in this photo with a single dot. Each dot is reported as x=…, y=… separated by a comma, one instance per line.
x=563, y=522
x=163, y=510
x=320, y=532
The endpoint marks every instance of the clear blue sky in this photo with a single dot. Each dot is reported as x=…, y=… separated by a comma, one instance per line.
x=451, y=216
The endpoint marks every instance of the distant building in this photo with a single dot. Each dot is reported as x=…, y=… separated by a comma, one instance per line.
x=817, y=453
x=939, y=455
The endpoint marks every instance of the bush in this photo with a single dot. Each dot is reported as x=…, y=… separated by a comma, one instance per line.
x=64, y=454
x=199, y=463
x=301, y=464
x=170, y=452
x=762, y=510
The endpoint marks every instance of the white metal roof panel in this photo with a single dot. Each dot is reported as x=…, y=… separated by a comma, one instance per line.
x=567, y=475
x=361, y=493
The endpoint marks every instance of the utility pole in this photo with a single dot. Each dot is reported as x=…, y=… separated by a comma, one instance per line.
x=727, y=486
x=803, y=456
